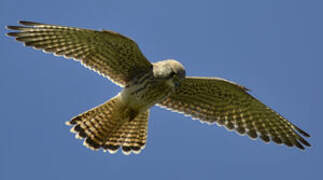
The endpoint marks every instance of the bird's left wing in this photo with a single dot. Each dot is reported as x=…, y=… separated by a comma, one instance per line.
x=109, y=53
x=215, y=100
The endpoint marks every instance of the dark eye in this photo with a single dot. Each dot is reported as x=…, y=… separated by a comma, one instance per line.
x=172, y=74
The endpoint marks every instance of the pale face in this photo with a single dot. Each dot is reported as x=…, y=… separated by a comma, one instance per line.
x=169, y=70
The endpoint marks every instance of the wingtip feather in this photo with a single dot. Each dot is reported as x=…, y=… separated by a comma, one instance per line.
x=7, y=27
x=303, y=132
x=14, y=27
x=28, y=23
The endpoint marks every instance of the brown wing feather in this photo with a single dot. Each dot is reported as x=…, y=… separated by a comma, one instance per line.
x=215, y=100
x=110, y=54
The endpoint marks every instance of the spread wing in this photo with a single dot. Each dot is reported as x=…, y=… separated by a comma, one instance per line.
x=215, y=100
x=108, y=53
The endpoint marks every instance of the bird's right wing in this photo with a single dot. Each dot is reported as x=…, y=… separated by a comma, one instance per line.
x=110, y=54
x=216, y=100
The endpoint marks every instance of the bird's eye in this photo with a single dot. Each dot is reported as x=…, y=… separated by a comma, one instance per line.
x=172, y=74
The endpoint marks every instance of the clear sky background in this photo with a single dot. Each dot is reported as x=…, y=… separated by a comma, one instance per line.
x=272, y=47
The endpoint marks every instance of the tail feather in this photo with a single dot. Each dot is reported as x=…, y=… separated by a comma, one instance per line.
x=110, y=126
x=131, y=136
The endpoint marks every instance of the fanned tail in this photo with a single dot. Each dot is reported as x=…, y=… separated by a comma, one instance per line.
x=110, y=126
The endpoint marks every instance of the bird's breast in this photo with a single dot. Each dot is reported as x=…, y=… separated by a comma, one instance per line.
x=145, y=92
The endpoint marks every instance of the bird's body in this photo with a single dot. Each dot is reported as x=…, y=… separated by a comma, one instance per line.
x=122, y=121
x=146, y=90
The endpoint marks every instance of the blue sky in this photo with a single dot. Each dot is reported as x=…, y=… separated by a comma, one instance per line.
x=272, y=47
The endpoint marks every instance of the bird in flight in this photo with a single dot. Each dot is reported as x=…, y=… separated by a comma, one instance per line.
x=122, y=121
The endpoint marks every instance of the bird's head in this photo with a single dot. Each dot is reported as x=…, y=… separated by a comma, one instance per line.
x=170, y=70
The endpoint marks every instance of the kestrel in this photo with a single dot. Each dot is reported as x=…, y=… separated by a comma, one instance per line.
x=122, y=121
